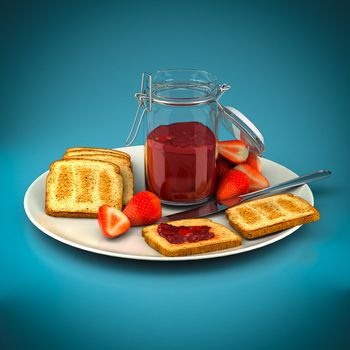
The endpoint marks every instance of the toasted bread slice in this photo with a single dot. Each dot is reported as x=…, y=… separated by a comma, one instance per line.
x=267, y=215
x=78, y=187
x=223, y=238
x=123, y=163
x=77, y=150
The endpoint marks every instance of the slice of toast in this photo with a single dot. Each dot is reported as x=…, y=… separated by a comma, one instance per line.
x=77, y=150
x=223, y=238
x=125, y=170
x=267, y=215
x=78, y=187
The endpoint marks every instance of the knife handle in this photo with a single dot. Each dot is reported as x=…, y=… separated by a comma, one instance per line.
x=297, y=181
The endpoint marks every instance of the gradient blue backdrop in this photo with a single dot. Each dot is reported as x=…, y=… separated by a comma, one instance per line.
x=68, y=73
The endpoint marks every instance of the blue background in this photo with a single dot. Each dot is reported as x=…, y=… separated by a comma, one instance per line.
x=69, y=70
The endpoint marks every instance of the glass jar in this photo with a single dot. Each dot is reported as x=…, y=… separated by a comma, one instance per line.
x=183, y=113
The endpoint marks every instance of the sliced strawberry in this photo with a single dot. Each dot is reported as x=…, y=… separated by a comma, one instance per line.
x=234, y=150
x=256, y=180
x=232, y=184
x=223, y=166
x=112, y=221
x=254, y=161
x=143, y=209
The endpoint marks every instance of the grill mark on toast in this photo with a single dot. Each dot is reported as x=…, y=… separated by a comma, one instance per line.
x=269, y=210
x=249, y=215
x=86, y=187
x=64, y=179
x=290, y=206
x=105, y=187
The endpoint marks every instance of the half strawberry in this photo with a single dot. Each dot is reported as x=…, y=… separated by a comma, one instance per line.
x=234, y=150
x=112, y=221
x=256, y=180
x=254, y=162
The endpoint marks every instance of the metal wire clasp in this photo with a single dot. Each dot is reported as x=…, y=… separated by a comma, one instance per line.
x=222, y=89
x=144, y=98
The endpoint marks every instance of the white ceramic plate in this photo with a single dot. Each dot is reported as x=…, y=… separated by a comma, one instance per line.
x=85, y=233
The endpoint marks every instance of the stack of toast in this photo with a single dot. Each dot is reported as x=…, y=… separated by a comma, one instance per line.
x=87, y=178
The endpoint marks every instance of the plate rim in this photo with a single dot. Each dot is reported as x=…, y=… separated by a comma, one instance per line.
x=205, y=256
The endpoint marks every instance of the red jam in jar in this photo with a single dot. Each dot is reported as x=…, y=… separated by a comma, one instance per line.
x=182, y=234
x=180, y=162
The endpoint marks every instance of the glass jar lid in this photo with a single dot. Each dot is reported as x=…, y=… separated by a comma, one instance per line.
x=237, y=124
x=188, y=87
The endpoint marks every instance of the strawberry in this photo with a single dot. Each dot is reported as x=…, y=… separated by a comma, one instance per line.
x=254, y=161
x=234, y=150
x=232, y=184
x=112, y=221
x=143, y=209
x=222, y=166
x=256, y=180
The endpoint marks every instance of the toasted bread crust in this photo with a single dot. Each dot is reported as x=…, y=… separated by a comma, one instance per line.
x=224, y=238
x=184, y=251
x=98, y=150
x=296, y=211
x=70, y=214
x=125, y=161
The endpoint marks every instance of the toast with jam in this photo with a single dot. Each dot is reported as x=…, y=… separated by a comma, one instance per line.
x=190, y=236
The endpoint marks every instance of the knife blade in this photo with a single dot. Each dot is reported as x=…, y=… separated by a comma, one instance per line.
x=209, y=208
x=198, y=212
x=214, y=207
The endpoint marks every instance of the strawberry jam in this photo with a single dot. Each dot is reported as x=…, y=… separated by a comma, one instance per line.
x=180, y=162
x=183, y=234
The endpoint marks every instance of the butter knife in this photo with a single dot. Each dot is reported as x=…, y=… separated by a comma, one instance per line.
x=214, y=207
